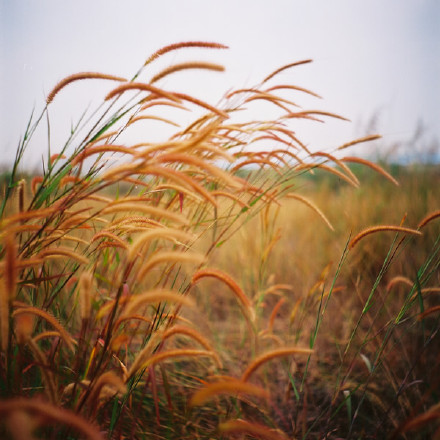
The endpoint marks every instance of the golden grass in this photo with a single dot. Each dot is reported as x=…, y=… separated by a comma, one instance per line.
x=372, y=165
x=359, y=141
x=180, y=178
x=230, y=387
x=24, y=327
x=233, y=197
x=28, y=215
x=94, y=257
x=141, y=87
x=183, y=45
x=170, y=354
x=274, y=99
x=309, y=114
x=274, y=312
x=66, y=337
x=273, y=354
x=254, y=429
x=170, y=257
x=311, y=205
x=185, y=66
x=340, y=163
x=430, y=217
x=152, y=118
x=79, y=76
x=184, y=158
x=399, y=279
x=48, y=334
x=85, y=294
x=244, y=301
x=99, y=149
x=292, y=87
x=330, y=170
x=10, y=268
x=177, y=236
x=62, y=252
x=110, y=380
x=4, y=316
x=285, y=67
x=202, y=104
x=382, y=228
x=163, y=102
x=47, y=412
x=47, y=374
x=190, y=332
x=161, y=213
x=112, y=237
x=135, y=302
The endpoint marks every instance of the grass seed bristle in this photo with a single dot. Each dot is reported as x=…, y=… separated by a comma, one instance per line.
x=135, y=302
x=399, y=279
x=177, y=353
x=274, y=313
x=141, y=87
x=280, y=352
x=203, y=104
x=229, y=387
x=99, y=149
x=382, y=228
x=164, y=233
x=285, y=67
x=111, y=236
x=373, y=166
x=155, y=211
x=152, y=118
x=428, y=218
x=288, y=86
x=46, y=372
x=243, y=300
x=309, y=114
x=200, y=163
x=85, y=294
x=186, y=66
x=24, y=327
x=171, y=257
x=360, y=140
x=181, y=178
x=4, y=316
x=80, y=76
x=182, y=45
x=54, y=413
x=63, y=252
x=107, y=379
x=254, y=429
x=51, y=320
x=187, y=331
x=312, y=206
x=10, y=268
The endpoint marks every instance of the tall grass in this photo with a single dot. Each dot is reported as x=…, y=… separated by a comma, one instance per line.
x=375, y=347
x=115, y=319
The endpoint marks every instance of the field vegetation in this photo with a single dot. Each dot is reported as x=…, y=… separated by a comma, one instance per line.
x=225, y=282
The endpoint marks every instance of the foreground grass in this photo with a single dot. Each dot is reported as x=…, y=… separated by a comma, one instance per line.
x=178, y=289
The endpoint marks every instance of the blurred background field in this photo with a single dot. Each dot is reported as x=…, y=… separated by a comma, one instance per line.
x=290, y=265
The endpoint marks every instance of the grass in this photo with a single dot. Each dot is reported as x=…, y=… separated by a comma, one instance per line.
x=223, y=281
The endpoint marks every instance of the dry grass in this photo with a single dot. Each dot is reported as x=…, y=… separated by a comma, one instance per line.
x=112, y=278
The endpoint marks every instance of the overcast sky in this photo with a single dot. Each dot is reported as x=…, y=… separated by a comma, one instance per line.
x=377, y=62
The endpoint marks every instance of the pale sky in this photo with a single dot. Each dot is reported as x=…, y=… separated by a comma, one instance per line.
x=373, y=60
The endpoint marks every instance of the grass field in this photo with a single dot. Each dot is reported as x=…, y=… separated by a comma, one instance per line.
x=226, y=282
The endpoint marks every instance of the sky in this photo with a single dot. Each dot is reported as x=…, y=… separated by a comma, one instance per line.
x=376, y=62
